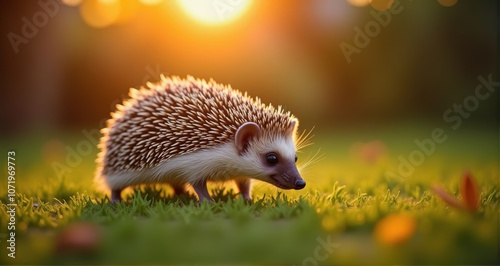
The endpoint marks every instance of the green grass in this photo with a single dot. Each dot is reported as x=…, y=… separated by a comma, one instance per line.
x=332, y=221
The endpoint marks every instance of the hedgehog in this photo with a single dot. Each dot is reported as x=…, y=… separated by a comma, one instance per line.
x=189, y=132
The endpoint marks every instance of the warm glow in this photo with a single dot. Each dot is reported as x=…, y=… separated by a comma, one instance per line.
x=381, y=5
x=359, y=3
x=215, y=11
x=71, y=2
x=128, y=9
x=150, y=2
x=100, y=13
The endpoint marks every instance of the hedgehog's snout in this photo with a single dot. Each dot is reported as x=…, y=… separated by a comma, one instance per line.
x=300, y=184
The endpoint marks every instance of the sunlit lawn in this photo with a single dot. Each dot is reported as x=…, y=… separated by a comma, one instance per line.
x=352, y=192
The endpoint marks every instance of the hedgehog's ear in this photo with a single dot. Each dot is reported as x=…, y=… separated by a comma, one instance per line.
x=246, y=132
x=292, y=128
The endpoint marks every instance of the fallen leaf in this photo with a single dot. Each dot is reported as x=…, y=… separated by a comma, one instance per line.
x=80, y=237
x=450, y=200
x=468, y=190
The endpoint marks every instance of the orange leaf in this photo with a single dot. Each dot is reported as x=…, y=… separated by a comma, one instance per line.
x=468, y=190
x=450, y=200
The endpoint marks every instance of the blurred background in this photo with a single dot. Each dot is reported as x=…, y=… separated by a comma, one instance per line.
x=67, y=63
x=374, y=79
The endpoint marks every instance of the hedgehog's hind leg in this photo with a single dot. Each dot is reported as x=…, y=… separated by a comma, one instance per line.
x=244, y=186
x=179, y=189
x=201, y=190
x=116, y=195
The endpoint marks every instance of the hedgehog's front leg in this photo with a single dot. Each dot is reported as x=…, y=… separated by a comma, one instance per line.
x=116, y=195
x=201, y=190
x=244, y=186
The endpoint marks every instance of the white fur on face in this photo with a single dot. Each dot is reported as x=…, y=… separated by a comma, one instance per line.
x=283, y=146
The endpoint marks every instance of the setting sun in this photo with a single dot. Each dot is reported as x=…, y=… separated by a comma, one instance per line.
x=214, y=12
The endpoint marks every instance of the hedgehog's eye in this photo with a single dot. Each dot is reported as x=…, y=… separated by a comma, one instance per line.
x=272, y=159
x=296, y=158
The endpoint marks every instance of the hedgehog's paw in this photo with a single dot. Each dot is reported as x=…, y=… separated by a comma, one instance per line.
x=244, y=186
x=201, y=190
x=116, y=196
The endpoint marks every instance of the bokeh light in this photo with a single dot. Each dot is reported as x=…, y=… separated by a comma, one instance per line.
x=395, y=229
x=370, y=152
x=214, y=12
x=381, y=5
x=100, y=13
x=359, y=3
x=72, y=2
x=447, y=3
x=128, y=9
